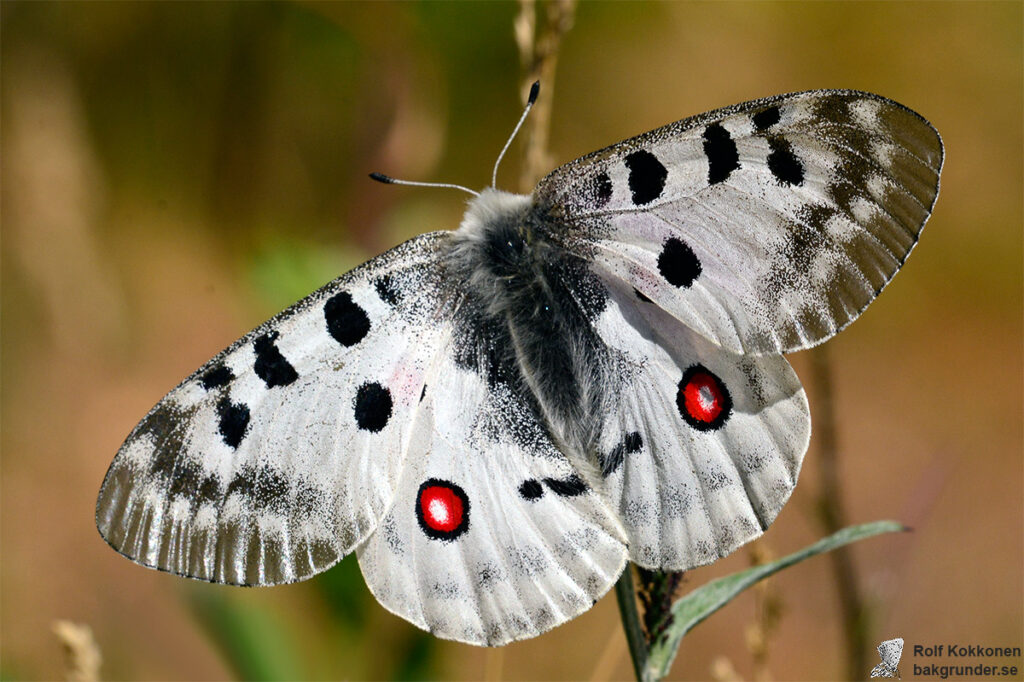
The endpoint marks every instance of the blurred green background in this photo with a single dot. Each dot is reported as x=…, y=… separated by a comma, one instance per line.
x=173, y=174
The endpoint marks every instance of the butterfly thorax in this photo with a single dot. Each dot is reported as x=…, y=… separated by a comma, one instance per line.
x=520, y=280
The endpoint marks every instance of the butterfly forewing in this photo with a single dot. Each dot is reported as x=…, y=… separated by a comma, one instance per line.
x=276, y=458
x=765, y=227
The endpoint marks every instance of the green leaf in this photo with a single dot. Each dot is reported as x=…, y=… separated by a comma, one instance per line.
x=283, y=270
x=345, y=594
x=702, y=602
x=414, y=658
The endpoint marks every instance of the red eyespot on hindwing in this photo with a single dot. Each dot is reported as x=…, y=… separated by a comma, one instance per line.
x=703, y=400
x=442, y=508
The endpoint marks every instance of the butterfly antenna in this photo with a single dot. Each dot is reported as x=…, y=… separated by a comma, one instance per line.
x=388, y=180
x=534, y=91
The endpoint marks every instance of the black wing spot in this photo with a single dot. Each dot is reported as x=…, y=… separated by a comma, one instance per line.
x=372, y=407
x=233, y=421
x=632, y=442
x=531, y=489
x=723, y=157
x=570, y=486
x=601, y=187
x=385, y=286
x=270, y=365
x=347, y=322
x=647, y=176
x=640, y=295
x=216, y=377
x=678, y=264
x=766, y=118
x=783, y=163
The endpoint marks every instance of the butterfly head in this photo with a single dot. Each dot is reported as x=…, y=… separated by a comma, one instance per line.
x=497, y=240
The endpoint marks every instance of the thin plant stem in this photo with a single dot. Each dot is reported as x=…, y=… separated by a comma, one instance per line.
x=833, y=517
x=538, y=52
x=625, y=593
x=493, y=664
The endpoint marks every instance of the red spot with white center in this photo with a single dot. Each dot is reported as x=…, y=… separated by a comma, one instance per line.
x=703, y=399
x=442, y=509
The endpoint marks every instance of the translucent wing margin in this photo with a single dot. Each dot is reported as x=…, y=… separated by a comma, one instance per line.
x=767, y=226
x=277, y=457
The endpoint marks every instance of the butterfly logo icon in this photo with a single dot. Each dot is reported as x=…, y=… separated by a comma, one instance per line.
x=890, y=650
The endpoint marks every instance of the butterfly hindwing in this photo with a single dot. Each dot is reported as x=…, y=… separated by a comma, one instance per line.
x=765, y=227
x=700, y=448
x=493, y=535
x=278, y=456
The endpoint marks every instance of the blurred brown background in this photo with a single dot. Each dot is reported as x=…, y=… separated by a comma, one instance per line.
x=173, y=174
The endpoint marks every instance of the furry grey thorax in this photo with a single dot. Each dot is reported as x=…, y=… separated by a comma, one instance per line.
x=526, y=288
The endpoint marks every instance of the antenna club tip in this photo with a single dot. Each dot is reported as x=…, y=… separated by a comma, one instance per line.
x=534, y=91
x=380, y=177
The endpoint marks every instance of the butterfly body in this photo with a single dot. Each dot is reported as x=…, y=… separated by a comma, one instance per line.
x=497, y=419
x=515, y=276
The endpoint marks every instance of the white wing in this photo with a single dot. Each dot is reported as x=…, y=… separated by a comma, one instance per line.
x=281, y=454
x=765, y=227
x=492, y=537
x=699, y=448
